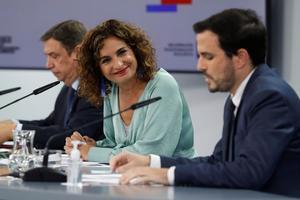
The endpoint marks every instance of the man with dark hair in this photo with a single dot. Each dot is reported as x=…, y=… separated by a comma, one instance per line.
x=260, y=144
x=61, y=45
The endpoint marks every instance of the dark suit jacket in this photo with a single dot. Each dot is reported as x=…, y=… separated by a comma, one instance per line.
x=82, y=112
x=267, y=143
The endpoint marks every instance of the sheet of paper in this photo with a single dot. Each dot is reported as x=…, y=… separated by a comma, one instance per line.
x=3, y=150
x=8, y=143
x=101, y=178
x=89, y=163
x=4, y=161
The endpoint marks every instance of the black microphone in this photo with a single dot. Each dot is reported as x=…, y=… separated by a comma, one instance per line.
x=144, y=103
x=35, y=92
x=44, y=88
x=45, y=174
x=9, y=90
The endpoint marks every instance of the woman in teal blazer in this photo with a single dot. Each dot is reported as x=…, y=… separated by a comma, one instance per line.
x=118, y=69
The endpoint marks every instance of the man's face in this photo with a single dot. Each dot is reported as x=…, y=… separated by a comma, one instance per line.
x=216, y=66
x=62, y=64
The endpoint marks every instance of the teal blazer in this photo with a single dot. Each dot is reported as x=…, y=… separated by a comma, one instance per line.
x=164, y=127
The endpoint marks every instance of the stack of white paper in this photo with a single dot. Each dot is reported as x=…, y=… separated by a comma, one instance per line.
x=101, y=178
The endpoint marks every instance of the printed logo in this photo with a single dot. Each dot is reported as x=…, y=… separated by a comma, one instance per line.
x=166, y=6
x=5, y=49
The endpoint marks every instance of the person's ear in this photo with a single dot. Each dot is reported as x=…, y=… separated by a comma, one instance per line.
x=241, y=59
x=76, y=52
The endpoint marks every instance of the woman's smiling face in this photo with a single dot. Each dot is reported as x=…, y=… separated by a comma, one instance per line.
x=117, y=61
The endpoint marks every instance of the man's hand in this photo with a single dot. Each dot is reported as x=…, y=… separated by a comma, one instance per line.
x=126, y=160
x=6, y=129
x=145, y=175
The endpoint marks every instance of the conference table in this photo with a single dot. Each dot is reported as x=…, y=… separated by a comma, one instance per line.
x=15, y=188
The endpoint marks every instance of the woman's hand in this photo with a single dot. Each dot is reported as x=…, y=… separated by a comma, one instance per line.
x=83, y=148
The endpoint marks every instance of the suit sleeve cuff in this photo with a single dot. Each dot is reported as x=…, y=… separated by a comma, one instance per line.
x=155, y=161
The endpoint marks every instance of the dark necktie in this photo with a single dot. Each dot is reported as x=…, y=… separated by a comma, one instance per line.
x=229, y=131
x=70, y=102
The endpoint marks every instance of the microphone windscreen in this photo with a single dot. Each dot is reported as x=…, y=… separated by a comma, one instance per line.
x=44, y=174
x=144, y=103
x=44, y=88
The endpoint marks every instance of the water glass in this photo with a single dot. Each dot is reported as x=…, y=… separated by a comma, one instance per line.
x=21, y=158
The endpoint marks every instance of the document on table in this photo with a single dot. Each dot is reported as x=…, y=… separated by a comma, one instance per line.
x=65, y=158
x=4, y=161
x=100, y=173
x=8, y=143
x=101, y=178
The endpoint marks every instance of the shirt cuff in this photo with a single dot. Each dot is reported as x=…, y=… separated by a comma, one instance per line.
x=155, y=161
x=171, y=175
x=18, y=124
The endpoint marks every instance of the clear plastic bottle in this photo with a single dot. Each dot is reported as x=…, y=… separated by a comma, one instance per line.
x=74, y=171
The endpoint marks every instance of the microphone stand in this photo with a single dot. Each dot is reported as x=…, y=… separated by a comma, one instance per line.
x=45, y=174
x=34, y=92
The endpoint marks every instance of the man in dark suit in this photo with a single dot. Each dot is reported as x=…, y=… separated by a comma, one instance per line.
x=61, y=45
x=260, y=144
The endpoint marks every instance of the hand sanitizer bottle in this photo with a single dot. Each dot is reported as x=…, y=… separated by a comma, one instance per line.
x=74, y=171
